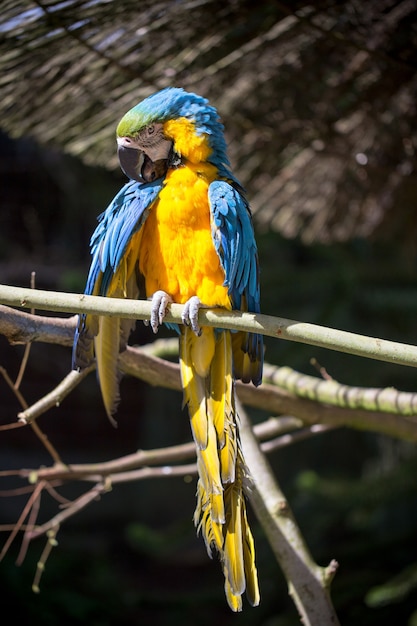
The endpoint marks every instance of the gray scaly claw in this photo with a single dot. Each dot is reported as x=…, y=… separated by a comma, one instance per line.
x=160, y=302
x=190, y=314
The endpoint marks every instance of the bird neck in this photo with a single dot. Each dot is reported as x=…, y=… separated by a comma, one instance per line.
x=187, y=142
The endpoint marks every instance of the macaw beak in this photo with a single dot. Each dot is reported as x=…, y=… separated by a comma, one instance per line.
x=137, y=165
x=131, y=162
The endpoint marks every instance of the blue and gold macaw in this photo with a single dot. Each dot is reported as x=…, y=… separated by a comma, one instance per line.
x=181, y=231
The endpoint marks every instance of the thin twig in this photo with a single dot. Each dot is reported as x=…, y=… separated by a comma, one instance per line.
x=35, y=494
x=40, y=568
x=46, y=443
x=55, y=397
x=74, y=507
x=26, y=353
x=291, y=438
x=33, y=516
x=16, y=391
x=12, y=425
x=38, y=432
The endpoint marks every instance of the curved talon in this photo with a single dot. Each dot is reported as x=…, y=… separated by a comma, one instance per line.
x=190, y=314
x=160, y=301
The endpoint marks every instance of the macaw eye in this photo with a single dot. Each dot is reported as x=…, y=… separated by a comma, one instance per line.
x=151, y=129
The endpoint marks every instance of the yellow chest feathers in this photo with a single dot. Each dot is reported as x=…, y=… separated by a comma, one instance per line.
x=176, y=252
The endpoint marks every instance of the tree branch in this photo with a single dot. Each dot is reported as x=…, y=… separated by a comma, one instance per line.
x=21, y=327
x=308, y=583
x=388, y=400
x=310, y=399
x=280, y=328
x=163, y=457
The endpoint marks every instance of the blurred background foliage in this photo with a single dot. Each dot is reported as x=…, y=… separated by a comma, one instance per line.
x=319, y=105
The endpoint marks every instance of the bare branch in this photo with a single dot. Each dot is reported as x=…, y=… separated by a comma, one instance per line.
x=101, y=487
x=38, y=432
x=40, y=567
x=290, y=438
x=26, y=511
x=307, y=581
x=139, y=464
x=28, y=346
x=20, y=327
x=280, y=328
x=129, y=468
x=55, y=397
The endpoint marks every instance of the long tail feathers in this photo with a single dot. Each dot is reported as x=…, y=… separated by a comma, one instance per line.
x=106, y=337
x=206, y=369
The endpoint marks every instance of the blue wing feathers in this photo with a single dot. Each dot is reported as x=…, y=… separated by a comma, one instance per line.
x=124, y=216
x=235, y=244
x=117, y=224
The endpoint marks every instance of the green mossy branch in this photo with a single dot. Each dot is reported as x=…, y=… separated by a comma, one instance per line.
x=387, y=400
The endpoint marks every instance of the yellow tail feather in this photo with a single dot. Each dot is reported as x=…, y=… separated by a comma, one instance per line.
x=233, y=565
x=251, y=574
x=107, y=346
x=112, y=334
x=220, y=515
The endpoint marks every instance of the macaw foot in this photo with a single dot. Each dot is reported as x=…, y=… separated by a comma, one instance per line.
x=190, y=314
x=160, y=301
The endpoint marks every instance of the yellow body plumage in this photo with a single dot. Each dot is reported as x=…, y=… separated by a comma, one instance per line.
x=177, y=255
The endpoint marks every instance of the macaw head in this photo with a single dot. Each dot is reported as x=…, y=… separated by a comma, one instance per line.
x=166, y=130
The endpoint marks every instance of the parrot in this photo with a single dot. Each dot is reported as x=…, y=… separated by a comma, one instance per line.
x=181, y=231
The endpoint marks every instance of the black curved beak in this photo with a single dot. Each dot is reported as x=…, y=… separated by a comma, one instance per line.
x=131, y=162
